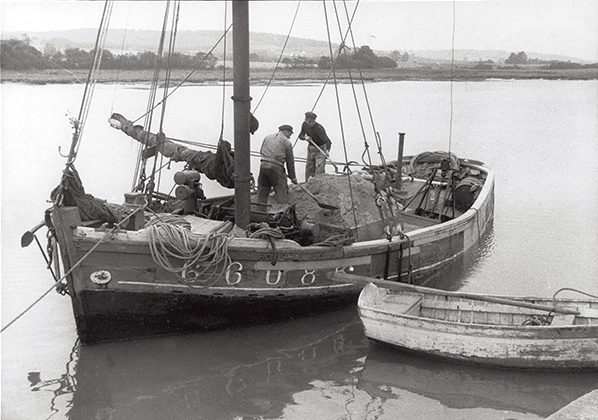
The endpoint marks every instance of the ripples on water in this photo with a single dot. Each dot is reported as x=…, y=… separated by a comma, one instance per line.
x=265, y=371
x=290, y=370
x=539, y=136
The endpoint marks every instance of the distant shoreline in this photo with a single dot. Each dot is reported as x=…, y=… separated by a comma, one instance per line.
x=289, y=76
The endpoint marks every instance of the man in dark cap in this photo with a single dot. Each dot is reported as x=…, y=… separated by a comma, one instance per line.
x=314, y=133
x=275, y=152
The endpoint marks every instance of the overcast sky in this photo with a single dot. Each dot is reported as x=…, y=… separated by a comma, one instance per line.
x=565, y=27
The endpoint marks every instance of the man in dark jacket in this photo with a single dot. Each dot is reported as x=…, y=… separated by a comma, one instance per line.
x=275, y=152
x=314, y=132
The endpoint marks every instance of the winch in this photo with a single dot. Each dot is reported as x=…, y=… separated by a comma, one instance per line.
x=188, y=190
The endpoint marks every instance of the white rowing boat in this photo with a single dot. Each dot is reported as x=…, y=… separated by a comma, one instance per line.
x=491, y=330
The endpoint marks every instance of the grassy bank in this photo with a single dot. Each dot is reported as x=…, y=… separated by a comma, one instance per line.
x=261, y=76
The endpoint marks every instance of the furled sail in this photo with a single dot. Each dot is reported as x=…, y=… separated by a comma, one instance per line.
x=219, y=166
x=71, y=192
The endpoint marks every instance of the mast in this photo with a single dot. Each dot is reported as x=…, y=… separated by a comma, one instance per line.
x=241, y=100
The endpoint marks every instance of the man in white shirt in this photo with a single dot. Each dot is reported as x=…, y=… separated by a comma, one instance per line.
x=275, y=152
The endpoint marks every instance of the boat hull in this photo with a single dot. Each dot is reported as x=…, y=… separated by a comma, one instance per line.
x=507, y=351
x=258, y=283
x=536, y=347
x=113, y=315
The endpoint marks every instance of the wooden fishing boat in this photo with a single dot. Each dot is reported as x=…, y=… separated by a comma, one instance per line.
x=127, y=278
x=512, y=332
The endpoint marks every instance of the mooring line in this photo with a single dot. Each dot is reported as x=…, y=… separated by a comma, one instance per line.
x=571, y=289
x=107, y=235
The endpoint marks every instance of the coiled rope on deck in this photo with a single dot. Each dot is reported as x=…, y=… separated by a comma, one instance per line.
x=264, y=231
x=176, y=249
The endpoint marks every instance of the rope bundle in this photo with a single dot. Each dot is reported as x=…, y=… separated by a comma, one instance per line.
x=340, y=239
x=264, y=231
x=193, y=253
x=168, y=218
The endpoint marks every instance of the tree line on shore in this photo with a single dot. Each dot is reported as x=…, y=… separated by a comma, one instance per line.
x=20, y=55
x=16, y=54
x=521, y=58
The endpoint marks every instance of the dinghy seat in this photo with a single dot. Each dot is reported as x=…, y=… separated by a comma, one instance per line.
x=405, y=304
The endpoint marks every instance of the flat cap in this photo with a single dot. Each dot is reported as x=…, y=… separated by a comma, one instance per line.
x=286, y=127
x=310, y=115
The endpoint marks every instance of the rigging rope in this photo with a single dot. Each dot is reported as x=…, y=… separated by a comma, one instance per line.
x=140, y=176
x=338, y=105
x=367, y=101
x=351, y=75
x=220, y=138
x=342, y=43
x=328, y=79
x=79, y=123
x=122, y=48
x=279, y=59
x=173, y=33
x=337, y=55
x=252, y=153
x=197, y=66
x=452, y=65
x=107, y=235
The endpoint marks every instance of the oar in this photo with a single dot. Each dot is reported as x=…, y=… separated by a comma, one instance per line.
x=363, y=281
x=318, y=202
x=27, y=237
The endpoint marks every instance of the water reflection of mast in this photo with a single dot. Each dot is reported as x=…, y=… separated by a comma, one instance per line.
x=249, y=372
x=283, y=354
x=67, y=383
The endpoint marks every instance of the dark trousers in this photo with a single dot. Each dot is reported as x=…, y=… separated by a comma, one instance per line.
x=272, y=176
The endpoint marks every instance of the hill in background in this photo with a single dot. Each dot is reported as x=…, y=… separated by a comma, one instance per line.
x=266, y=46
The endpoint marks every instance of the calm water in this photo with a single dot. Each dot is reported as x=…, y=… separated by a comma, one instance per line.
x=541, y=137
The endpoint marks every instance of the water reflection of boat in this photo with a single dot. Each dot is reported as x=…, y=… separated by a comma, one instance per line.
x=226, y=374
x=464, y=386
x=62, y=388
